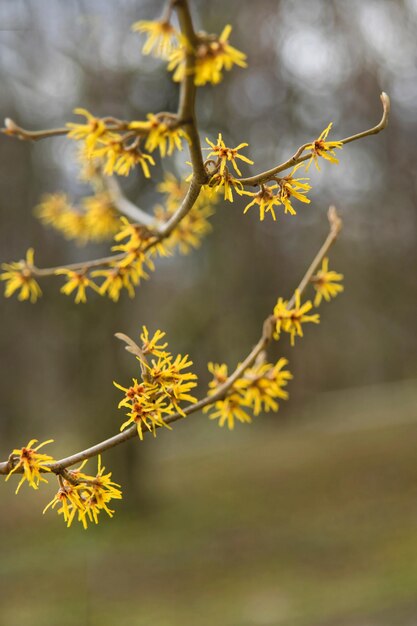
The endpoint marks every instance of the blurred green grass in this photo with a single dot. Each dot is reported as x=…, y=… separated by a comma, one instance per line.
x=309, y=521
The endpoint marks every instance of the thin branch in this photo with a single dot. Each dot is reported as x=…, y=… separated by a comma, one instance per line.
x=125, y=206
x=185, y=207
x=14, y=130
x=298, y=157
x=186, y=107
x=267, y=332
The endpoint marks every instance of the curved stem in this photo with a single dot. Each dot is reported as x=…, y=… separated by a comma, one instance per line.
x=267, y=331
x=298, y=157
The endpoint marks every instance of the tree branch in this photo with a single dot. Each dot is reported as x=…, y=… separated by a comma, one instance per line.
x=298, y=157
x=267, y=331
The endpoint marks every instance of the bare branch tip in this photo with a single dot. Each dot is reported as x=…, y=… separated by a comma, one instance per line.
x=386, y=104
x=335, y=221
x=131, y=346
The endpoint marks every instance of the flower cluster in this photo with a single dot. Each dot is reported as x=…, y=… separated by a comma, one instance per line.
x=258, y=389
x=119, y=152
x=115, y=145
x=85, y=496
x=163, y=387
x=95, y=219
x=280, y=191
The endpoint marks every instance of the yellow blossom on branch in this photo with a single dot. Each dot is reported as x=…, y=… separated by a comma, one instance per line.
x=95, y=220
x=162, y=37
x=220, y=375
x=146, y=407
x=291, y=320
x=212, y=56
x=326, y=283
x=293, y=187
x=76, y=281
x=322, y=148
x=118, y=277
x=101, y=218
x=18, y=276
x=223, y=154
x=97, y=491
x=266, y=199
x=263, y=384
x=226, y=182
x=120, y=158
x=86, y=496
x=69, y=497
x=152, y=345
x=162, y=131
x=89, y=132
x=164, y=386
x=31, y=462
x=52, y=209
x=173, y=384
x=229, y=410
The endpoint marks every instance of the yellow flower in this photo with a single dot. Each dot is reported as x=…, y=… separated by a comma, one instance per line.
x=90, y=132
x=322, y=148
x=120, y=277
x=70, y=498
x=266, y=199
x=162, y=132
x=101, y=218
x=139, y=239
x=326, y=283
x=120, y=159
x=97, y=220
x=19, y=276
x=224, y=154
x=173, y=384
x=52, y=208
x=151, y=345
x=290, y=186
x=146, y=408
x=32, y=464
x=291, y=320
x=212, y=56
x=162, y=37
x=228, y=183
x=263, y=384
x=97, y=491
x=87, y=497
x=220, y=375
x=229, y=410
x=76, y=281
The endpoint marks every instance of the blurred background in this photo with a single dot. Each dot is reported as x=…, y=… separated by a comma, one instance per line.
x=306, y=517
